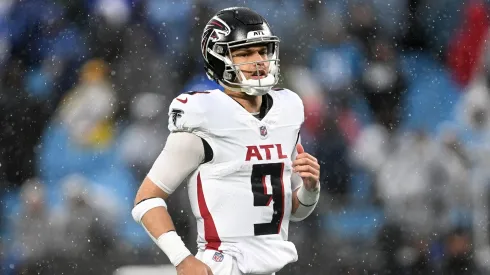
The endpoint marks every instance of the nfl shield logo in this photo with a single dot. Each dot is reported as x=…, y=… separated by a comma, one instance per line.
x=218, y=256
x=263, y=131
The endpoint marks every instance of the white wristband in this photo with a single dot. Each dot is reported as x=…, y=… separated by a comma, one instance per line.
x=307, y=203
x=308, y=198
x=173, y=246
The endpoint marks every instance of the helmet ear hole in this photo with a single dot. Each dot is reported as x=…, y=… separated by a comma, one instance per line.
x=228, y=76
x=219, y=49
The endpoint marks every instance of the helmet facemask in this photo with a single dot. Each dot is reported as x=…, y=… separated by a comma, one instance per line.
x=234, y=78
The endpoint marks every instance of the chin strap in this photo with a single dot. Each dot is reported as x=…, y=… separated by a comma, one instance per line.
x=256, y=91
x=257, y=87
x=253, y=91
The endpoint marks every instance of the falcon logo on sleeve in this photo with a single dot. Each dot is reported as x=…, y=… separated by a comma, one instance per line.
x=176, y=114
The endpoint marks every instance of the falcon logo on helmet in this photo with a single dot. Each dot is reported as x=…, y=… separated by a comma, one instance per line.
x=212, y=32
x=237, y=28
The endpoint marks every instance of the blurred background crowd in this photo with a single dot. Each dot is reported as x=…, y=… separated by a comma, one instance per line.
x=397, y=99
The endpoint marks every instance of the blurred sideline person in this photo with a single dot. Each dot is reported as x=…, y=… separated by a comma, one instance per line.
x=240, y=153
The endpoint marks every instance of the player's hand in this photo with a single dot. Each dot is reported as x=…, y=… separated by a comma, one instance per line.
x=308, y=168
x=192, y=266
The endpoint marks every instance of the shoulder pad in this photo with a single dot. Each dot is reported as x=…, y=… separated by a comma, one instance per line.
x=291, y=100
x=187, y=112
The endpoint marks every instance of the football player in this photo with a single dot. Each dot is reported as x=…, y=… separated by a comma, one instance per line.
x=239, y=152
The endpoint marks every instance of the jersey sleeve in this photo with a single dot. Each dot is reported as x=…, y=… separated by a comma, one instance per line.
x=185, y=114
x=182, y=154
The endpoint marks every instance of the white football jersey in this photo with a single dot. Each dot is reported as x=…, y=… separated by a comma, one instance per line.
x=242, y=198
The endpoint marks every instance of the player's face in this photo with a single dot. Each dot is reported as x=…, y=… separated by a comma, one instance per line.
x=256, y=66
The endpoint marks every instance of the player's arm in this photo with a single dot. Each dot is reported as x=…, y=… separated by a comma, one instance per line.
x=183, y=153
x=305, y=183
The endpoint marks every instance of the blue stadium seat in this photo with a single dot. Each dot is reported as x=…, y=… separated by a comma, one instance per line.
x=355, y=223
x=431, y=95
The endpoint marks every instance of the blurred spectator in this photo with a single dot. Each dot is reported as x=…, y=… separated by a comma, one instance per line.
x=108, y=26
x=335, y=60
x=467, y=45
x=473, y=108
x=471, y=129
x=472, y=119
x=416, y=188
x=322, y=135
x=89, y=107
x=5, y=43
x=304, y=82
x=406, y=166
x=143, y=140
x=87, y=220
x=414, y=35
x=172, y=22
x=363, y=23
x=459, y=253
x=383, y=84
x=24, y=118
x=140, y=67
x=83, y=139
x=33, y=236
